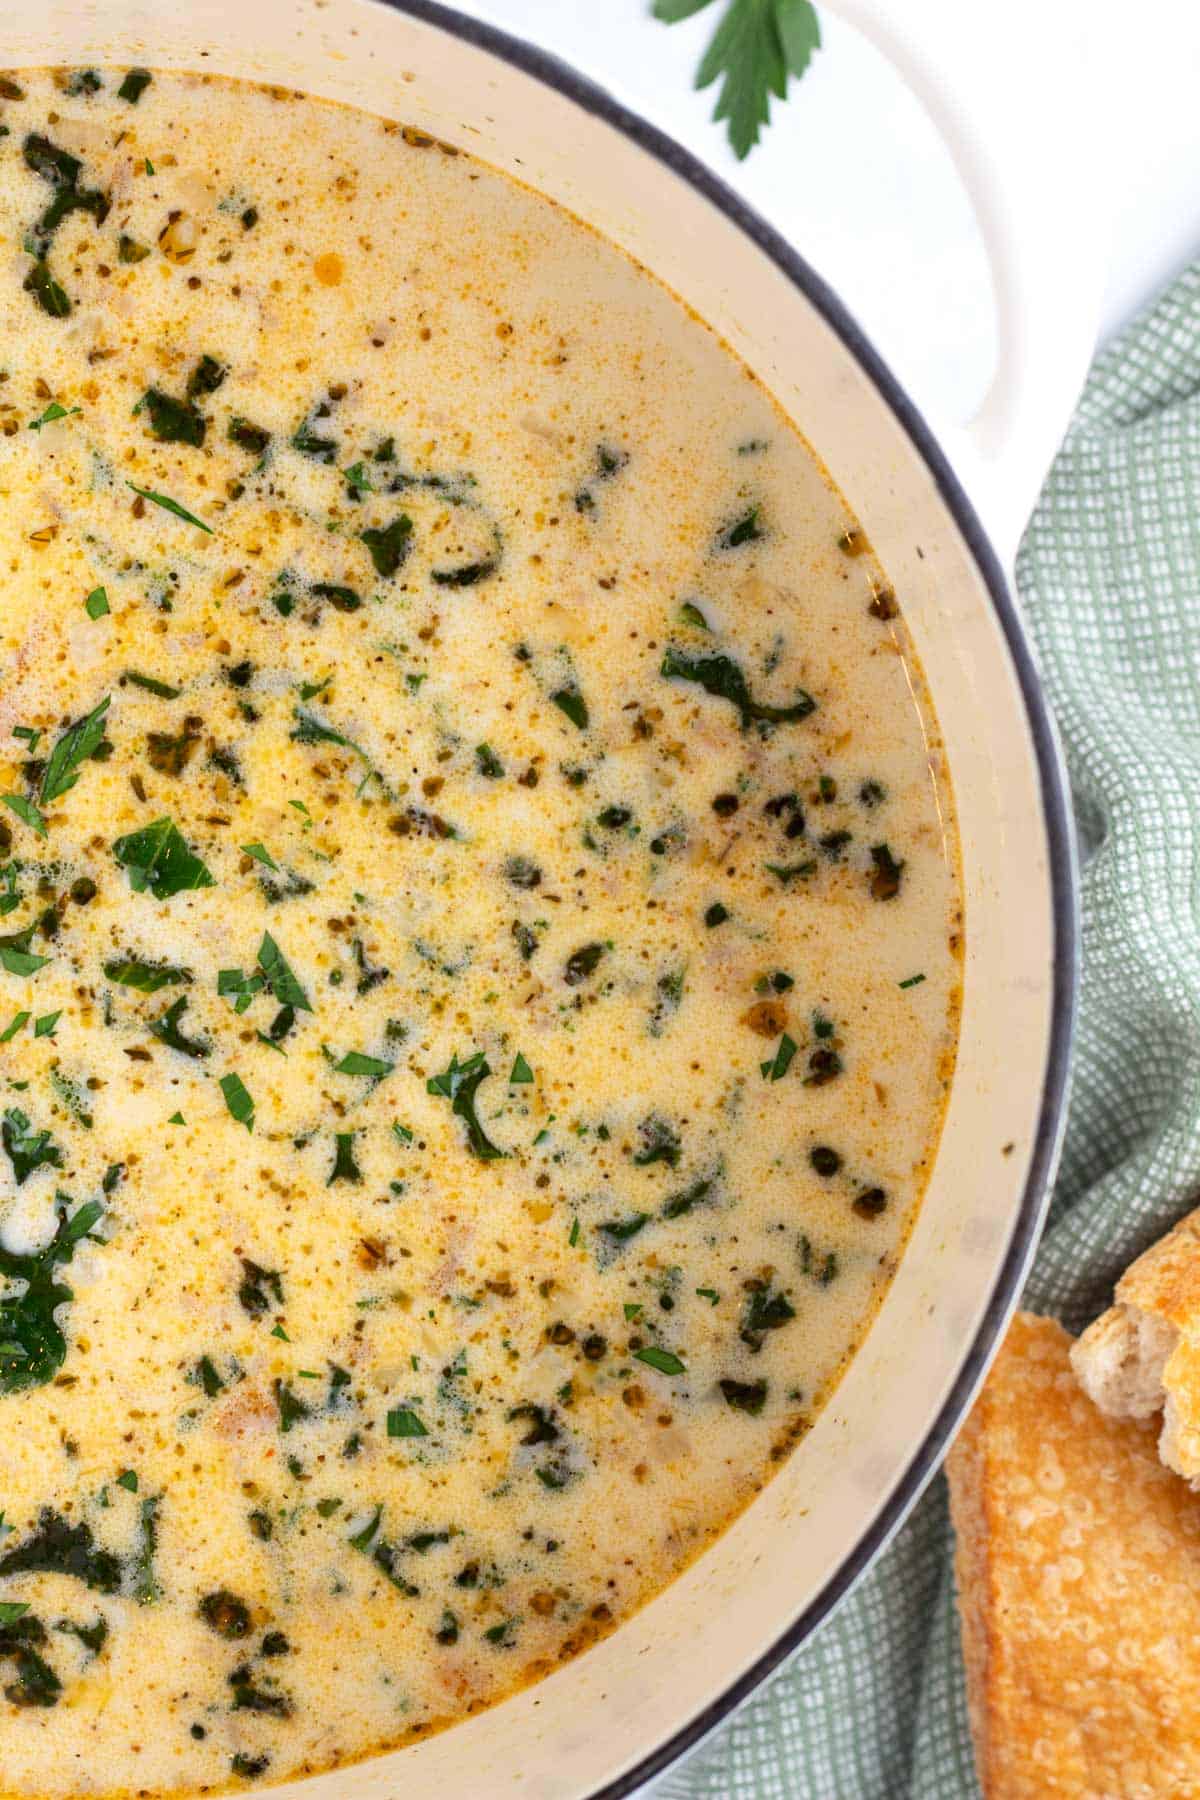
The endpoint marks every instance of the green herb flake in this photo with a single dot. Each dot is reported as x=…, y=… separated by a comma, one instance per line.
x=279, y=976
x=171, y=506
x=76, y=744
x=44, y=1027
x=26, y=811
x=570, y=700
x=10, y=1031
x=237, y=1099
x=522, y=1074
x=460, y=1083
x=344, y=1166
x=52, y=414
x=260, y=854
x=356, y=1062
x=912, y=981
x=96, y=605
x=128, y=1481
x=402, y=1422
x=16, y=960
x=134, y=85
x=665, y=1361
x=146, y=977
x=778, y=1065
x=157, y=858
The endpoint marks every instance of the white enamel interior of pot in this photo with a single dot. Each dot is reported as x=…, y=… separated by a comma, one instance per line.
x=605, y=1712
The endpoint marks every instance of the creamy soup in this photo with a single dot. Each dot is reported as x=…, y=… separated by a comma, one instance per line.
x=479, y=935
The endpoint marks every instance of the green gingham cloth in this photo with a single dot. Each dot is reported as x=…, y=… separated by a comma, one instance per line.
x=1109, y=573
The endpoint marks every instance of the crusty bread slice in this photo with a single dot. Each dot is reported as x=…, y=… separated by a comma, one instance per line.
x=1143, y=1355
x=1078, y=1573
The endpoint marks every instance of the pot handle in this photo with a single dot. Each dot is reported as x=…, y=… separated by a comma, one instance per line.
x=1014, y=111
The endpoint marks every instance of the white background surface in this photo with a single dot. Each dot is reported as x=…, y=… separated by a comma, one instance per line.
x=853, y=173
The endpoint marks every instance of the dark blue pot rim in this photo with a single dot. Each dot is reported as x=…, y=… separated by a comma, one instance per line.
x=1056, y=813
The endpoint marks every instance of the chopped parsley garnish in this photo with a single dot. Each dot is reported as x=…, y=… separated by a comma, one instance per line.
x=570, y=700
x=52, y=414
x=356, y=1062
x=26, y=811
x=521, y=1074
x=778, y=1065
x=96, y=604
x=344, y=1166
x=665, y=1361
x=76, y=744
x=237, y=1099
x=279, y=976
x=402, y=1422
x=460, y=1084
x=150, y=684
x=171, y=506
x=157, y=858
x=16, y=957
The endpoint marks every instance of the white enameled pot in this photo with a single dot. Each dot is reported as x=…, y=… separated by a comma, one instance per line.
x=603, y=1724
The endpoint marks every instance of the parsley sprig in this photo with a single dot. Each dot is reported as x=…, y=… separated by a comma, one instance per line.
x=758, y=46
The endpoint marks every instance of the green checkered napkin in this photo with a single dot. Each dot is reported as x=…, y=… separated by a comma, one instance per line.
x=874, y=1708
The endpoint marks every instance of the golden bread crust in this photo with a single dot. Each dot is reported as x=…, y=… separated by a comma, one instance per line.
x=1078, y=1573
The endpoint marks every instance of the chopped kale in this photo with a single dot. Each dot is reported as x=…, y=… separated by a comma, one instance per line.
x=57, y=1547
x=582, y=963
x=32, y=1345
x=885, y=879
x=226, y=1614
x=721, y=677
x=389, y=544
x=254, y=438
x=260, y=1288
x=166, y=1029
x=765, y=1310
x=36, y=1684
x=659, y=1142
x=174, y=421
x=134, y=85
x=744, y=1396
x=27, y=1150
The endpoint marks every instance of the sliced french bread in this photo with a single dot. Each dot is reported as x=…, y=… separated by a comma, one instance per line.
x=1142, y=1356
x=1077, y=1565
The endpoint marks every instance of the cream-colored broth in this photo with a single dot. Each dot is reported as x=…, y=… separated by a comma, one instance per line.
x=692, y=947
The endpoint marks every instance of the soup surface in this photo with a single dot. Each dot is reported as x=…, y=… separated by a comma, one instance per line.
x=479, y=937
